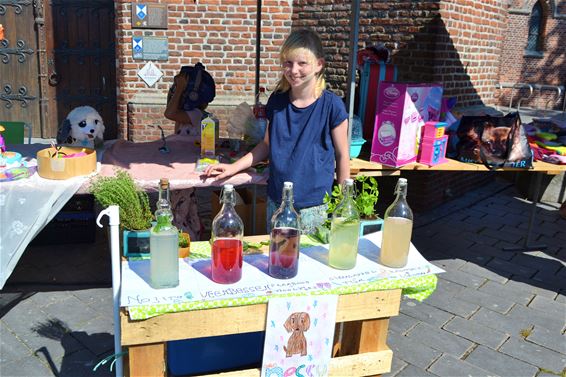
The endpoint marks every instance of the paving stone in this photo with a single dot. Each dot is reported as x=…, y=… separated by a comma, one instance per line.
x=534, y=354
x=500, y=364
x=538, y=260
x=491, y=251
x=99, y=299
x=501, y=234
x=45, y=299
x=470, y=255
x=462, y=278
x=425, y=312
x=476, y=332
x=549, y=339
x=402, y=323
x=510, y=208
x=511, y=268
x=538, y=317
x=508, y=292
x=81, y=364
x=474, y=269
x=96, y=335
x=448, y=264
x=498, y=304
x=528, y=285
x=549, y=306
x=440, y=339
x=481, y=239
x=72, y=311
x=500, y=322
x=11, y=348
x=22, y=317
x=411, y=351
x=396, y=366
x=448, y=365
x=451, y=304
x=52, y=342
x=29, y=366
x=413, y=371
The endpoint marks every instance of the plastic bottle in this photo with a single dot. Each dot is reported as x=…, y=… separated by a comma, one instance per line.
x=227, y=245
x=344, y=230
x=397, y=229
x=164, y=243
x=285, y=237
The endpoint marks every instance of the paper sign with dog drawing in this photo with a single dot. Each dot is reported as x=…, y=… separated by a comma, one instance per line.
x=299, y=336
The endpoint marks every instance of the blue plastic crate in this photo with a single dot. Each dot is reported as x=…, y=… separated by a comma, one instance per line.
x=135, y=243
x=370, y=226
x=215, y=353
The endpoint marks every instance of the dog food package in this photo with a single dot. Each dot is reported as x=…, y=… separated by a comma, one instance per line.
x=402, y=109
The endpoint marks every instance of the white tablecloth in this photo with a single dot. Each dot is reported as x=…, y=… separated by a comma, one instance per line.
x=26, y=206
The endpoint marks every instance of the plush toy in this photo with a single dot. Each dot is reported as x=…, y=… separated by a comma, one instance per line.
x=83, y=127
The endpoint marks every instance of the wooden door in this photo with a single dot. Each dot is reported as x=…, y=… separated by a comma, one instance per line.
x=19, y=90
x=80, y=59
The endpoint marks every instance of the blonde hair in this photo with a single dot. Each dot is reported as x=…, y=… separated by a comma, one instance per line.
x=308, y=40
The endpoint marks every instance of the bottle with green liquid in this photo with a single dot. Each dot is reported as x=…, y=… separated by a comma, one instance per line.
x=344, y=230
x=164, y=244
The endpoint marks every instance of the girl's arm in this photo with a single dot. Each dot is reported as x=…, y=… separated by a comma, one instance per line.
x=256, y=155
x=342, y=151
x=173, y=111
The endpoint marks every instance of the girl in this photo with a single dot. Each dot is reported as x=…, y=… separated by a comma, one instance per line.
x=306, y=136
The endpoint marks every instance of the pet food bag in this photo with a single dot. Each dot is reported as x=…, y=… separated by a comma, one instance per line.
x=402, y=109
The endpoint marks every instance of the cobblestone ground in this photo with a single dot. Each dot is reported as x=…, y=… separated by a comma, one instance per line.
x=494, y=312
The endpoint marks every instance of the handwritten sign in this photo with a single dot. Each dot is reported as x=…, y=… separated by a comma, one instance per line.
x=195, y=284
x=299, y=336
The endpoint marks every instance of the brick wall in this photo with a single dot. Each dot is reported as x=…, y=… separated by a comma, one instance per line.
x=459, y=43
x=520, y=67
x=218, y=33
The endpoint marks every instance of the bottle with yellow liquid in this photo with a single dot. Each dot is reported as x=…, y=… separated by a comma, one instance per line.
x=344, y=231
x=397, y=229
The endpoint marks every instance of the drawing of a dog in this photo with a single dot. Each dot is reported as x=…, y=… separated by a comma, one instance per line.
x=82, y=127
x=297, y=324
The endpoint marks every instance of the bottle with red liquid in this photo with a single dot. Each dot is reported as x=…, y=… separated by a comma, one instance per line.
x=285, y=237
x=227, y=245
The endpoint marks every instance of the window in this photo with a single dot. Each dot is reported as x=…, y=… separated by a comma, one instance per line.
x=534, y=41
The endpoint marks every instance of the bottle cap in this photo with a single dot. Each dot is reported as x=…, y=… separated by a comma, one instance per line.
x=228, y=187
x=349, y=182
x=402, y=181
x=287, y=184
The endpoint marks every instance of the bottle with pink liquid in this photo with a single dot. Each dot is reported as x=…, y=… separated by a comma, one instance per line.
x=285, y=237
x=227, y=245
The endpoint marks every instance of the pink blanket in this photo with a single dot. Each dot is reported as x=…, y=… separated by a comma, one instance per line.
x=146, y=164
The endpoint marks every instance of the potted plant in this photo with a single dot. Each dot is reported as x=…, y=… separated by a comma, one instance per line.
x=135, y=213
x=184, y=244
x=365, y=198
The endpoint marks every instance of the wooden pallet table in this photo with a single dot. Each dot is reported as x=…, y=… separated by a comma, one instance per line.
x=360, y=339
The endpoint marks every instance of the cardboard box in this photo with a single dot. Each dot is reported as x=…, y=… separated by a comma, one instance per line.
x=402, y=109
x=244, y=208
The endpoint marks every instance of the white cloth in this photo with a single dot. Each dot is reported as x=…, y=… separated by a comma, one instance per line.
x=26, y=206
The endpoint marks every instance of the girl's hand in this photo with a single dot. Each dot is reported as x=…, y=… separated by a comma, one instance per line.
x=221, y=171
x=180, y=81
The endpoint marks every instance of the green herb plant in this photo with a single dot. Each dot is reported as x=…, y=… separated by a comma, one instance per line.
x=121, y=190
x=365, y=198
x=184, y=239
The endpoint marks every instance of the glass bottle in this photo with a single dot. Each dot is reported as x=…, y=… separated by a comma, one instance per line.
x=227, y=245
x=344, y=230
x=164, y=243
x=285, y=237
x=397, y=229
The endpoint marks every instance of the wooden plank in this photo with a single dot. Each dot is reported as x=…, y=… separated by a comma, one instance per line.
x=363, y=167
x=365, y=364
x=249, y=318
x=364, y=336
x=147, y=360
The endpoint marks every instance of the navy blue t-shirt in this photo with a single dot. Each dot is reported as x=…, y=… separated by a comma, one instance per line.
x=301, y=149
